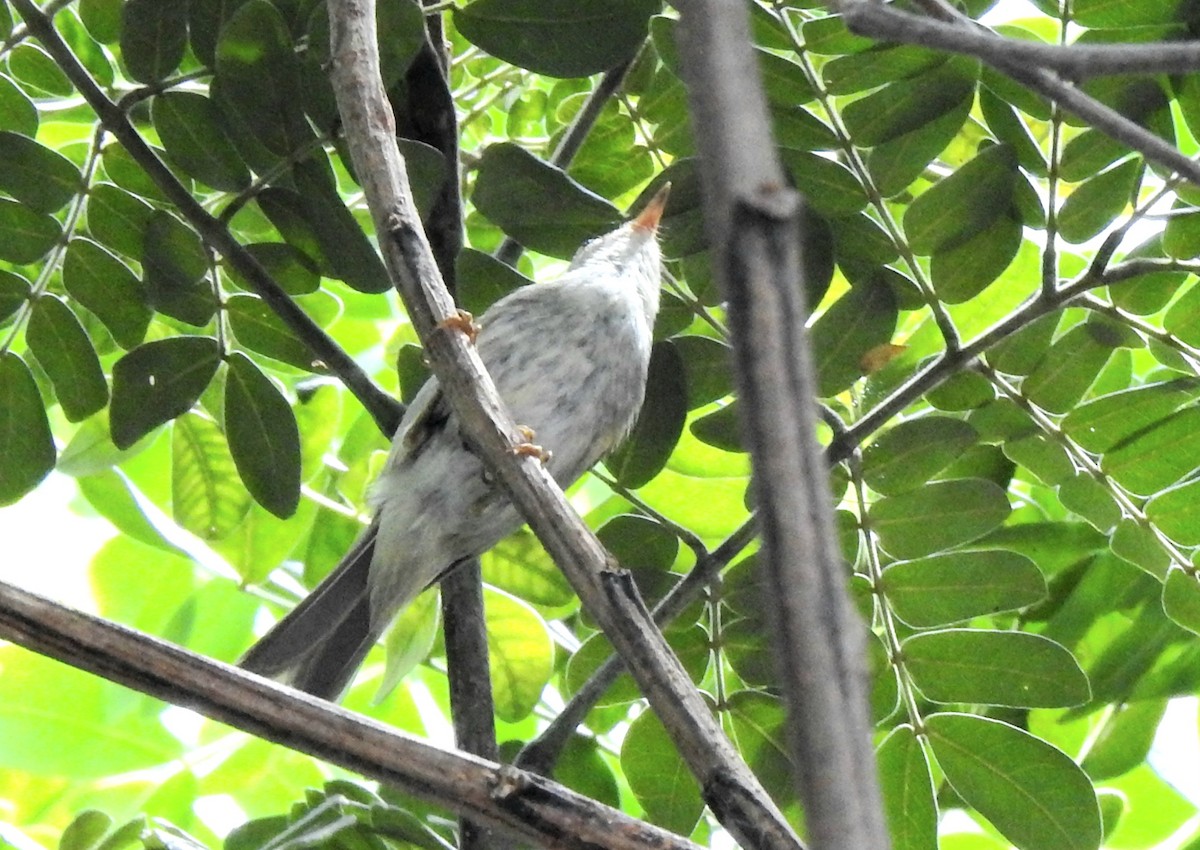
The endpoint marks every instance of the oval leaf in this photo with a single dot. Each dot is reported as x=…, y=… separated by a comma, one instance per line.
x=189, y=126
x=941, y=515
x=963, y=204
x=558, y=38
x=907, y=788
x=109, y=289
x=65, y=351
x=1036, y=796
x=1015, y=669
x=158, y=381
x=914, y=451
x=153, y=37
x=860, y=320
x=956, y=586
x=25, y=441
x=263, y=437
x=38, y=177
x=26, y=234
x=660, y=780
x=538, y=204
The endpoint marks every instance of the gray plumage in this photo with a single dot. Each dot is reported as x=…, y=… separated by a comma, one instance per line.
x=569, y=358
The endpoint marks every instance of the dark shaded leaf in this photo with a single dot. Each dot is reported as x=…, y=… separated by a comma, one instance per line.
x=25, y=235
x=263, y=437
x=38, y=177
x=659, y=424
x=14, y=290
x=482, y=280
x=108, y=288
x=189, y=125
x=158, y=381
x=1095, y=203
x=536, y=203
x=153, y=37
x=857, y=322
x=721, y=428
x=118, y=219
x=963, y=270
x=174, y=264
x=33, y=66
x=17, y=112
x=257, y=327
x=905, y=105
x=963, y=204
x=25, y=440
x=558, y=38
x=65, y=351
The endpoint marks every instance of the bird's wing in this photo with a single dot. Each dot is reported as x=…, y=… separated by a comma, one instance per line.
x=426, y=415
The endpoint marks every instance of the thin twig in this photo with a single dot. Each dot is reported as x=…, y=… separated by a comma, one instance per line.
x=1074, y=61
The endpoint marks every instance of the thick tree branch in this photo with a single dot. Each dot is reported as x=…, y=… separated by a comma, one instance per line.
x=1075, y=61
x=750, y=816
x=819, y=638
x=383, y=408
x=528, y=807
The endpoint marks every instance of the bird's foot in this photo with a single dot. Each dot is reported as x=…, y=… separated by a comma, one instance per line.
x=461, y=321
x=528, y=448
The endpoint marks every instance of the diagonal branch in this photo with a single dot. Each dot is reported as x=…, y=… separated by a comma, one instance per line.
x=382, y=407
x=529, y=808
x=730, y=789
x=1074, y=61
x=1051, y=86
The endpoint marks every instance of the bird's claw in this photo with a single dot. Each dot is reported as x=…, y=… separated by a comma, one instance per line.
x=527, y=448
x=461, y=321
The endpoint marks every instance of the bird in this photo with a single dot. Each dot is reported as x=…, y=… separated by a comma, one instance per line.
x=569, y=357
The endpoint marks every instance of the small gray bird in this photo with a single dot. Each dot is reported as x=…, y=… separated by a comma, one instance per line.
x=569, y=358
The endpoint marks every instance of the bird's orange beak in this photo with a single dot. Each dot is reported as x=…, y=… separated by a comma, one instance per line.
x=649, y=217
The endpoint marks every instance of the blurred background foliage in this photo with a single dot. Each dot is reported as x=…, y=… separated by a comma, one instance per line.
x=1022, y=526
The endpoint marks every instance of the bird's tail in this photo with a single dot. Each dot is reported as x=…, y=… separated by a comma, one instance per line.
x=319, y=645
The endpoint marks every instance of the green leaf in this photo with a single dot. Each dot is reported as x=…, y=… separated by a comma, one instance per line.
x=1091, y=499
x=878, y=67
x=263, y=437
x=660, y=422
x=33, y=66
x=1043, y=456
x=158, y=381
x=907, y=788
x=1014, y=669
x=759, y=730
x=102, y=19
x=658, y=776
x=707, y=364
x=174, y=265
x=521, y=654
x=118, y=219
x=42, y=179
x=1176, y=513
x=290, y=268
x=913, y=452
x=536, y=203
x=720, y=429
x=896, y=163
x=108, y=288
x=558, y=38
x=350, y=254
x=963, y=270
x=259, y=77
x=639, y=543
x=938, y=516
x=189, y=126
x=27, y=234
x=25, y=441
x=1037, y=797
x=857, y=322
x=957, y=586
x=14, y=291
x=65, y=351
x=965, y=203
x=85, y=831
x=1094, y=204
x=1105, y=422
x=905, y=105
x=17, y=112
x=1181, y=600
x=260, y=329
x=1124, y=740
x=153, y=38
x=482, y=280
x=207, y=497
x=1183, y=318
x=829, y=187
x=1070, y=367
x=1158, y=455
